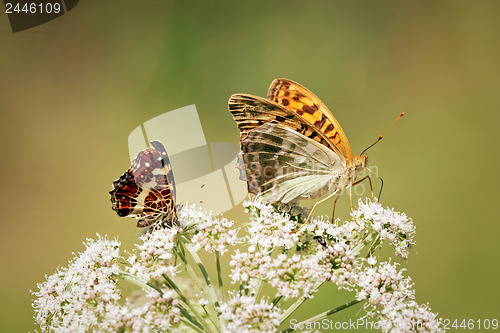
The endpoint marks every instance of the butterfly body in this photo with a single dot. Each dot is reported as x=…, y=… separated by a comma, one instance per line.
x=291, y=145
x=146, y=191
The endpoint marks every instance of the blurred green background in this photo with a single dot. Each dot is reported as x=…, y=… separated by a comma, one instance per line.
x=72, y=90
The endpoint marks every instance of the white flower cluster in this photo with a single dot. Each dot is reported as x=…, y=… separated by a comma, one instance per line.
x=248, y=266
x=86, y=296
x=394, y=227
x=155, y=256
x=79, y=297
x=160, y=313
x=337, y=261
x=291, y=276
x=243, y=314
x=390, y=299
x=296, y=275
x=268, y=228
x=409, y=317
x=211, y=234
x=338, y=256
x=383, y=285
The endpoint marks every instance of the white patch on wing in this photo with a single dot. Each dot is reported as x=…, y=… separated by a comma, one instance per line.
x=157, y=172
x=140, y=200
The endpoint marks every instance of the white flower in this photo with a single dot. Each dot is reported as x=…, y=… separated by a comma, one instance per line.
x=248, y=265
x=337, y=256
x=394, y=227
x=210, y=234
x=338, y=263
x=296, y=276
x=383, y=285
x=291, y=276
x=78, y=297
x=244, y=314
x=86, y=296
x=157, y=313
x=409, y=317
x=268, y=228
x=155, y=256
x=391, y=300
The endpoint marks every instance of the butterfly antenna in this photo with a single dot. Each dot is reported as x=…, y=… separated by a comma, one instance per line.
x=373, y=144
x=383, y=133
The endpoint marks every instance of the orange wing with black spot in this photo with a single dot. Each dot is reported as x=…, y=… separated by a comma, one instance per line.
x=302, y=101
x=251, y=112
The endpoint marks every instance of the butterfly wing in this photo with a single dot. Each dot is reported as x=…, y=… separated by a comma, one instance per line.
x=302, y=101
x=283, y=165
x=146, y=191
x=166, y=167
x=250, y=112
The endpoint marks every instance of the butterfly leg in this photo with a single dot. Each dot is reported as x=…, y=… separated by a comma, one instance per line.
x=333, y=211
x=350, y=196
x=312, y=209
x=359, y=181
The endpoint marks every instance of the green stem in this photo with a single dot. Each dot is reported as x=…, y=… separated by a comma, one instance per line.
x=292, y=308
x=190, y=324
x=295, y=305
x=199, y=317
x=323, y=315
x=219, y=276
x=366, y=241
x=373, y=246
x=189, y=320
x=277, y=300
x=210, y=292
x=258, y=289
x=132, y=279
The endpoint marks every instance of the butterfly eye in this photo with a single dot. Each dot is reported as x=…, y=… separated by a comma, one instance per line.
x=360, y=161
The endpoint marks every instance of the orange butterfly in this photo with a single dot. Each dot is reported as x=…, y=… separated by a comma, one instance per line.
x=292, y=146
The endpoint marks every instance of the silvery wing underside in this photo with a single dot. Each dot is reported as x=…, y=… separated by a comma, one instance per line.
x=281, y=164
